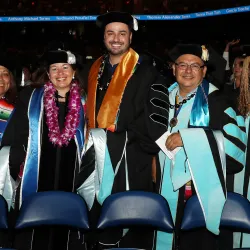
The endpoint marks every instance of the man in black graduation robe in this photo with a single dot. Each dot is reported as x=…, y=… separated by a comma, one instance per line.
x=118, y=87
x=202, y=120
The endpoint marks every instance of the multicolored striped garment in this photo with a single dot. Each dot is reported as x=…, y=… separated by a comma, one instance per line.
x=6, y=110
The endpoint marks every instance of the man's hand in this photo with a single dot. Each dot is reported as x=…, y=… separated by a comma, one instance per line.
x=174, y=141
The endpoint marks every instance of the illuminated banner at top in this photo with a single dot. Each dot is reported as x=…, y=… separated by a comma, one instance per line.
x=211, y=13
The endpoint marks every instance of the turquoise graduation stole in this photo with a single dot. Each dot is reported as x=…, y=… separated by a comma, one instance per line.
x=200, y=112
x=191, y=165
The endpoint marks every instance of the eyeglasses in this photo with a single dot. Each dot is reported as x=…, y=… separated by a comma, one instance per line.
x=194, y=66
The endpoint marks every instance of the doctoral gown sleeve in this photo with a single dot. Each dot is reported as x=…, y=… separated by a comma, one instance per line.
x=225, y=117
x=17, y=132
x=151, y=100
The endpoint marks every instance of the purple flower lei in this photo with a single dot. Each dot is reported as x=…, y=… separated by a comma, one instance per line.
x=72, y=118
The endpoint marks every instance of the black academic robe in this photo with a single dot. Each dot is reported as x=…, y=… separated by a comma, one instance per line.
x=58, y=167
x=231, y=93
x=141, y=148
x=203, y=239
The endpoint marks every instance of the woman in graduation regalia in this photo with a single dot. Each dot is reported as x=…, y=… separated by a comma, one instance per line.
x=211, y=139
x=242, y=179
x=48, y=127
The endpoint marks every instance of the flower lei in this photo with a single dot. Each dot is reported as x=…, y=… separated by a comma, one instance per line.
x=72, y=118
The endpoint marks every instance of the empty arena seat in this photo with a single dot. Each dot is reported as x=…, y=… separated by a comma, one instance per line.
x=53, y=208
x=136, y=209
x=235, y=215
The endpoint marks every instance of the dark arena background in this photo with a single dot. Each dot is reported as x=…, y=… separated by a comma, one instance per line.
x=28, y=27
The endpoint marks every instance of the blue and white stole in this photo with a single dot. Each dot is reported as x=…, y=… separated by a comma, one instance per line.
x=29, y=183
x=190, y=163
x=242, y=240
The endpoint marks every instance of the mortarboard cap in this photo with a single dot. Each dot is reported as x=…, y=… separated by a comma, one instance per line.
x=193, y=49
x=59, y=56
x=115, y=16
x=215, y=63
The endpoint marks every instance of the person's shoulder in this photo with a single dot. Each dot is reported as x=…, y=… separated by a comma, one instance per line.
x=145, y=66
x=26, y=92
x=228, y=87
x=145, y=60
x=220, y=100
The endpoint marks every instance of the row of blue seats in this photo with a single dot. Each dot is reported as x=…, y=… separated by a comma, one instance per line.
x=122, y=210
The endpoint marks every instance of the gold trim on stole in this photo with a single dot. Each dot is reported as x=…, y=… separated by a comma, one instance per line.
x=107, y=114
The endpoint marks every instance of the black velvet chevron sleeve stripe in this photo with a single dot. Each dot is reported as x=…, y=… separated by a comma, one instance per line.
x=157, y=108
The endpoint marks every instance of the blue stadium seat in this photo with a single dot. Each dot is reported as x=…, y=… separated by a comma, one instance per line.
x=3, y=213
x=136, y=209
x=235, y=216
x=53, y=208
x=3, y=216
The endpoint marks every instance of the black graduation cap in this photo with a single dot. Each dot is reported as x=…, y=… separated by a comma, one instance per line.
x=61, y=56
x=215, y=63
x=58, y=56
x=182, y=49
x=116, y=16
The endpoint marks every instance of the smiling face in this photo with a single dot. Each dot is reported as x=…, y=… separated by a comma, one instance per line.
x=61, y=74
x=117, y=38
x=4, y=80
x=237, y=67
x=191, y=76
